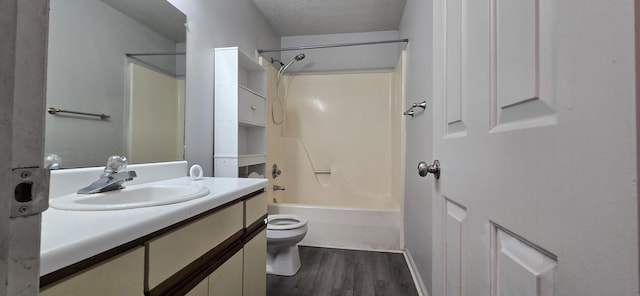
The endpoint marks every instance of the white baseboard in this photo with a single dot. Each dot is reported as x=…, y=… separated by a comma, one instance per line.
x=415, y=274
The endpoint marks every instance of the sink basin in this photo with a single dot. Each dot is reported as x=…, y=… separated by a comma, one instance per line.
x=137, y=196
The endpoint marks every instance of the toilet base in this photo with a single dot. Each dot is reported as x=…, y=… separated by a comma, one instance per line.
x=284, y=261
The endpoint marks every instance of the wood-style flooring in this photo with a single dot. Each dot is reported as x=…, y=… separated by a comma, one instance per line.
x=336, y=272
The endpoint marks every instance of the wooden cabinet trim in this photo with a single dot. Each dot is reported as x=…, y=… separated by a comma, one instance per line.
x=170, y=253
x=187, y=278
x=254, y=229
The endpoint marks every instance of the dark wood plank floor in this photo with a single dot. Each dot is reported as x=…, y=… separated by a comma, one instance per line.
x=335, y=272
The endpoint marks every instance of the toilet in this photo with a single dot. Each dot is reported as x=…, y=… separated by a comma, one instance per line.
x=284, y=232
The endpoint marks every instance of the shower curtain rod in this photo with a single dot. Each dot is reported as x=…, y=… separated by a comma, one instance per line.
x=331, y=45
x=153, y=54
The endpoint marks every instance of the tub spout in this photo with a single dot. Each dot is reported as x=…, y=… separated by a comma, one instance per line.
x=277, y=187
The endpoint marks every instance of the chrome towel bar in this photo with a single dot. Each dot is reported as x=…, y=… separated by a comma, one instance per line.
x=411, y=111
x=322, y=172
x=55, y=111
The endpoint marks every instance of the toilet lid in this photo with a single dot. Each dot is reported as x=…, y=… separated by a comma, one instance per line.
x=285, y=222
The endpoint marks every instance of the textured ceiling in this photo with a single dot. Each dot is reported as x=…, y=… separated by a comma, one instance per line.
x=312, y=17
x=161, y=16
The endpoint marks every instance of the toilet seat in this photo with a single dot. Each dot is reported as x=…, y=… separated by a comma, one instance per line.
x=285, y=222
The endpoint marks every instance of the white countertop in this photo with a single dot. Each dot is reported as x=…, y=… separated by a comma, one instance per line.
x=71, y=236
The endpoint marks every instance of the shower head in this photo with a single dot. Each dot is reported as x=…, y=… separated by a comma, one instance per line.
x=298, y=57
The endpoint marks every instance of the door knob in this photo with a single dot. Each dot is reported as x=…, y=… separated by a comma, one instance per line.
x=424, y=169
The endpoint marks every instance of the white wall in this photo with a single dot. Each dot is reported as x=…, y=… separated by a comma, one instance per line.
x=343, y=59
x=211, y=24
x=86, y=72
x=417, y=26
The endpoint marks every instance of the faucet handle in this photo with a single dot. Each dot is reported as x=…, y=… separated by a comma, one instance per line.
x=115, y=164
x=275, y=171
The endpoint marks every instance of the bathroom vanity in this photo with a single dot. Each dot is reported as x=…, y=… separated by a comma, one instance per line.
x=212, y=245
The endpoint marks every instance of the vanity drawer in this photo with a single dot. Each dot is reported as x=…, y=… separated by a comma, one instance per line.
x=127, y=270
x=171, y=252
x=251, y=107
x=256, y=208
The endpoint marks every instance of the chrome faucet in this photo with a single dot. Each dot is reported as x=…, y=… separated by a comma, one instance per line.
x=277, y=187
x=112, y=177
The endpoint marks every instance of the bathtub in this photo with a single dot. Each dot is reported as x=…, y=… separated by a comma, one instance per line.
x=344, y=227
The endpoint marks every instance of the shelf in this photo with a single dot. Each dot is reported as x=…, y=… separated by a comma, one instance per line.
x=250, y=124
x=251, y=159
x=251, y=91
x=245, y=62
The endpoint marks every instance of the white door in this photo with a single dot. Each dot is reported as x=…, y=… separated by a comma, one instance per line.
x=534, y=127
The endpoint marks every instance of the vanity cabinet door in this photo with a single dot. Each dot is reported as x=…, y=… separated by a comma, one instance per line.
x=202, y=289
x=227, y=279
x=121, y=275
x=255, y=265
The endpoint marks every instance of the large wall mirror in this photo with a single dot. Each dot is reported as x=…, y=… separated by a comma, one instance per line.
x=124, y=61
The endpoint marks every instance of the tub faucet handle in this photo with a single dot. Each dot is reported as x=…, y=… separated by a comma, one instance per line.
x=275, y=171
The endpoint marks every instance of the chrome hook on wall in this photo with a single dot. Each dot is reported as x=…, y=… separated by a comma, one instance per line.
x=411, y=111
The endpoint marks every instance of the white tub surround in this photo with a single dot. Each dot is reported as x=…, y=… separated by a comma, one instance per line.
x=71, y=236
x=335, y=124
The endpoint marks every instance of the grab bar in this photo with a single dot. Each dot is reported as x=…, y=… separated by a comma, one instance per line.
x=411, y=112
x=322, y=172
x=55, y=111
